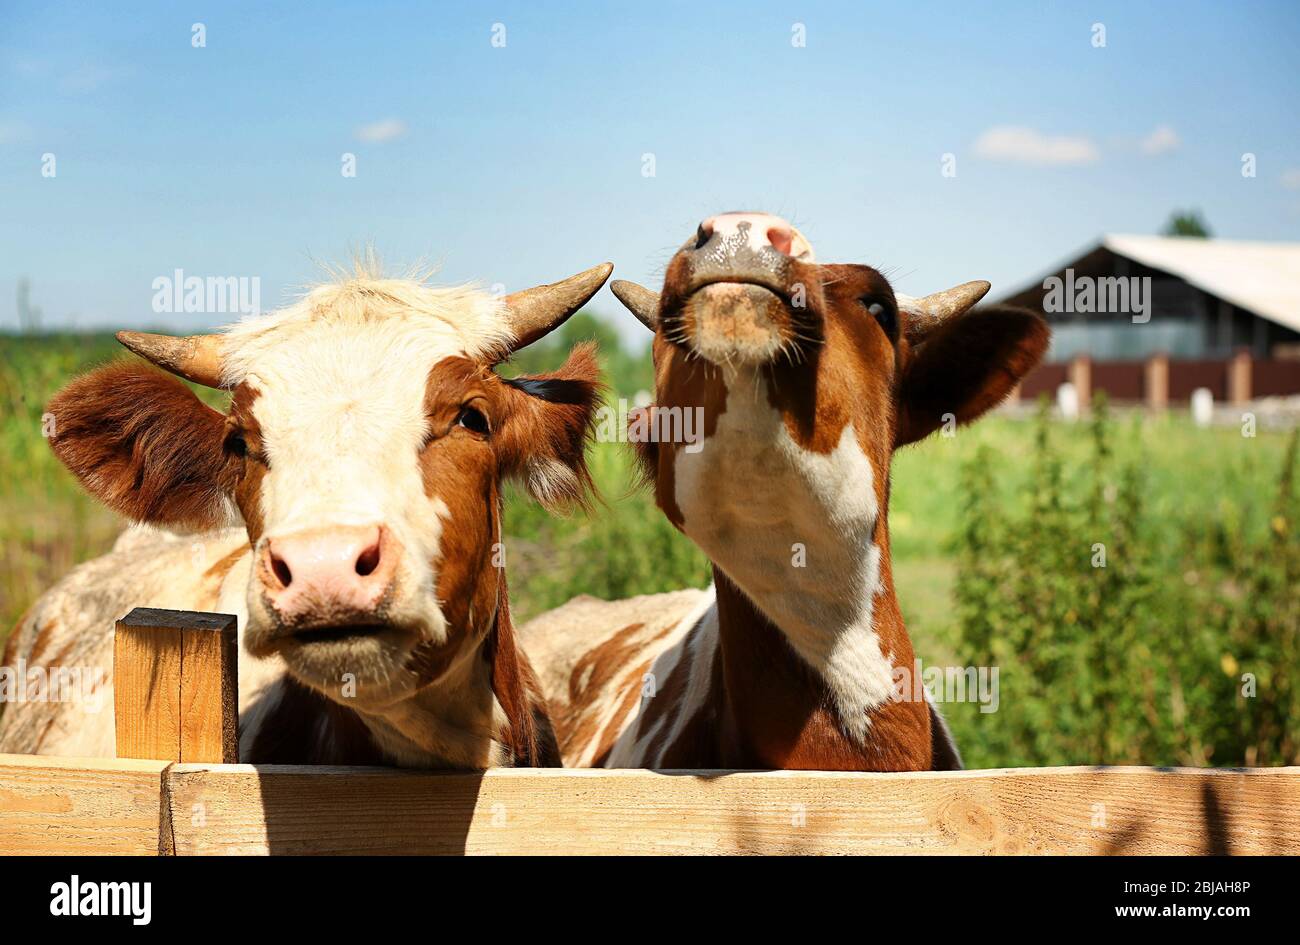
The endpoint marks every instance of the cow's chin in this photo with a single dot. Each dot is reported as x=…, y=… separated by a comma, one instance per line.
x=366, y=665
x=735, y=323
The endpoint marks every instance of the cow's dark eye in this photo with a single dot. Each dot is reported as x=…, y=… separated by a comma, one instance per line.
x=883, y=313
x=473, y=420
x=236, y=444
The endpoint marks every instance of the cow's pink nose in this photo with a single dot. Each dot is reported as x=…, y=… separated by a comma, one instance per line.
x=336, y=570
x=759, y=230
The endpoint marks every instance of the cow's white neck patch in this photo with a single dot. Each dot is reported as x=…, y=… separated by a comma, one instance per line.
x=794, y=530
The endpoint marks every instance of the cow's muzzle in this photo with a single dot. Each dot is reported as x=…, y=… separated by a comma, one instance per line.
x=732, y=293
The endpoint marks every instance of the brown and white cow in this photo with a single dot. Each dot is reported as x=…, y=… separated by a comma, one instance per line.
x=809, y=377
x=347, y=510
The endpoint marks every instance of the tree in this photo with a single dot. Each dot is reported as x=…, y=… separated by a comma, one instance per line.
x=1186, y=223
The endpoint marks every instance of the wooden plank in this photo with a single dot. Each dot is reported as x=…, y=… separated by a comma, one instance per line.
x=79, y=806
x=210, y=694
x=279, y=809
x=174, y=678
x=146, y=690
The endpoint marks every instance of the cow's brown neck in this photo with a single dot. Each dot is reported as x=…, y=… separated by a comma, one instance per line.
x=770, y=706
x=775, y=711
x=767, y=708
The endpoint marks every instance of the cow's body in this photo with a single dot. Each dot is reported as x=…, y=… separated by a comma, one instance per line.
x=592, y=658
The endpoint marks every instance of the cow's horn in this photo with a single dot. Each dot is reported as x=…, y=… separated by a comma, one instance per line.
x=196, y=358
x=928, y=313
x=535, y=312
x=639, y=300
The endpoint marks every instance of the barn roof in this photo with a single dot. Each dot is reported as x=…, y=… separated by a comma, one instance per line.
x=1263, y=278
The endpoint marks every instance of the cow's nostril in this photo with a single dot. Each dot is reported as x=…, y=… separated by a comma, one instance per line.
x=281, y=570
x=369, y=560
x=703, y=233
x=781, y=238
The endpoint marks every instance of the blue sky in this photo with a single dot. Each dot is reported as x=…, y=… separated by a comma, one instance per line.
x=522, y=164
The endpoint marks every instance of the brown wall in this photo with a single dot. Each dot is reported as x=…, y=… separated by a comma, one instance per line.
x=1121, y=380
x=1275, y=378
x=1186, y=376
x=1127, y=380
x=1044, y=379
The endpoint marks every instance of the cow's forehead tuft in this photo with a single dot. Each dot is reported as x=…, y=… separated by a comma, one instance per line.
x=402, y=318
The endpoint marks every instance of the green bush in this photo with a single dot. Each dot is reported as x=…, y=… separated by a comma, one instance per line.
x=1121, y=637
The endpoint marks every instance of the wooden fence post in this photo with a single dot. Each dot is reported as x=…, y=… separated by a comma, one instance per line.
x=1081, y=378
x=1239, y=377
x=174, y=686
x=1156, y=381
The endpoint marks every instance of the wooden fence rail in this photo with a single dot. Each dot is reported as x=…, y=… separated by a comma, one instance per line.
x=92, y=806
x=175, y=705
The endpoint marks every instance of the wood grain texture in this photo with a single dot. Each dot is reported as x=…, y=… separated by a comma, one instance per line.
x=272, y=809
x=209, y=694
x=78, y=806
x=174, y=677
x=147, y=690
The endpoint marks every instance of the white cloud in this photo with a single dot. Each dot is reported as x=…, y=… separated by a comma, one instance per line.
x=1291, y=178
x=1161, y=141
x=390, y=129
x=1027, y=146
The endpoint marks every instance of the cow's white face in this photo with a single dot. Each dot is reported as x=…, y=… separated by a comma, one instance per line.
x=364, y=449
x=347, y=532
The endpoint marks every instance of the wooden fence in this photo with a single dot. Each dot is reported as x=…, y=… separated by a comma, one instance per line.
x=1159, y=380
x=174, y=697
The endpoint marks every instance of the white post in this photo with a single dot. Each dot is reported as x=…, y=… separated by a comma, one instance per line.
x=1067, y=401
x=1202, y=406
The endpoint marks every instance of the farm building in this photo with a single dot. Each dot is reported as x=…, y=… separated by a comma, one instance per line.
x=1154, y=318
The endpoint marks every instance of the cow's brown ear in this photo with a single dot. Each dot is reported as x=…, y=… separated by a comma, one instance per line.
x=142, y=443
x=967, y=367
x=548, y=421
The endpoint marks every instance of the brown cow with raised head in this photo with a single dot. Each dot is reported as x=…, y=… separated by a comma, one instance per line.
x=808, y=378
x=347, y=509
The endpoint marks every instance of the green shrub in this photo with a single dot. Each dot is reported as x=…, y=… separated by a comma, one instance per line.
x=1121, y=637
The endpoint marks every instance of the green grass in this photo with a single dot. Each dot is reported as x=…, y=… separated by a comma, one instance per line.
x=47, y=524
x=1198, y=481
